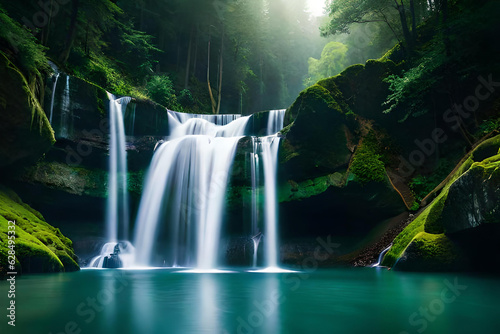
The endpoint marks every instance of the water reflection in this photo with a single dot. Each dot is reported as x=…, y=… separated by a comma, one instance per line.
x=330, y=301
x=208, y=307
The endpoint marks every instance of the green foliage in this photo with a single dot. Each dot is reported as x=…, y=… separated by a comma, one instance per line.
x=161, y=89
x=185, y=98
x=412, y=85
x=332, y=62
x=26, y=52
x=422, y=185
x=488, y=126
x=344, y=13
x=367, y=163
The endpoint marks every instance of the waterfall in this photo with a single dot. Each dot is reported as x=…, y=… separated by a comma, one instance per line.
x=117, y=214
x=53, y=96
x=214, y=119
x=255, y=174
x=275, y=121
x=115, y=253
x=65, y=111
x=381, y=256
x=266, y=149
x=270, y=146
x=186, y=185
x=185, y=188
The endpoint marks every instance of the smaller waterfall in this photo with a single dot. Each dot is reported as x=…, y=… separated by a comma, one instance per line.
x=65, y=111
x=53, y=97
x=270, y=146
x=255, y=174
x=256, y=241
x=381, y=256
x=116, y=254
x=117, y=215
x=275, y=121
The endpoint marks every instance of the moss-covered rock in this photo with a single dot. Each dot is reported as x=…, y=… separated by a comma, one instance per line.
x=76, y=180
x=39, y=247
x=292, y=191
x=317, y=142
x=469, y=200
x=429, y=252
x=474, y=199
x=25, y=132
x=367, y=164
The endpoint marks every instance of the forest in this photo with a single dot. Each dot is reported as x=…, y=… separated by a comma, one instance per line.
x=250, y=166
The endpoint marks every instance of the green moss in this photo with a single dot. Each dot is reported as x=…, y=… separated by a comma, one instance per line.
x=286, y=129
x=367, y=163
x=352, y=70
x=39, y=247
x=330, y=85
x=429, y=221
x=300, y=190
x=436, y=247
x=433, y=223
x=487, y=149
x=26, y=129
x=315, y=99
x=395, y=54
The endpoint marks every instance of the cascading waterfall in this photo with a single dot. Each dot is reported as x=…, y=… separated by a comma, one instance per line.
x=270, y=146
x=65, y=111
x=186, y=184
x=117, y=209
x=53, y=96
x=275, y=121
x=214, y=119
x=265, y=149
x=186, y=187
x=381, y=256
x=255, y=174
x=117, y=215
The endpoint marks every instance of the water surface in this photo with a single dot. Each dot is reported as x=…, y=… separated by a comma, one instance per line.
x=325, y=301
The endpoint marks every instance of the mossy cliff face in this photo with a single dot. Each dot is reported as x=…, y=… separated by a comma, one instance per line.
x=39, y=247
x=333, y=160
x=316, y=143
x=454, y=231
x=25, y=132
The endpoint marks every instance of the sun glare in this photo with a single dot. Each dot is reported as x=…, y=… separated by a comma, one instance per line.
x=316, y=7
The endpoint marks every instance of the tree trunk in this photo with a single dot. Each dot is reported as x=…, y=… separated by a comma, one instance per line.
x=188, y=61
x=221, y=63
x=444, y=10
x=195, y=62
x=212, y=100
x=404, y=25
x=46, y=30
x=413, y=21
x=70, y=37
